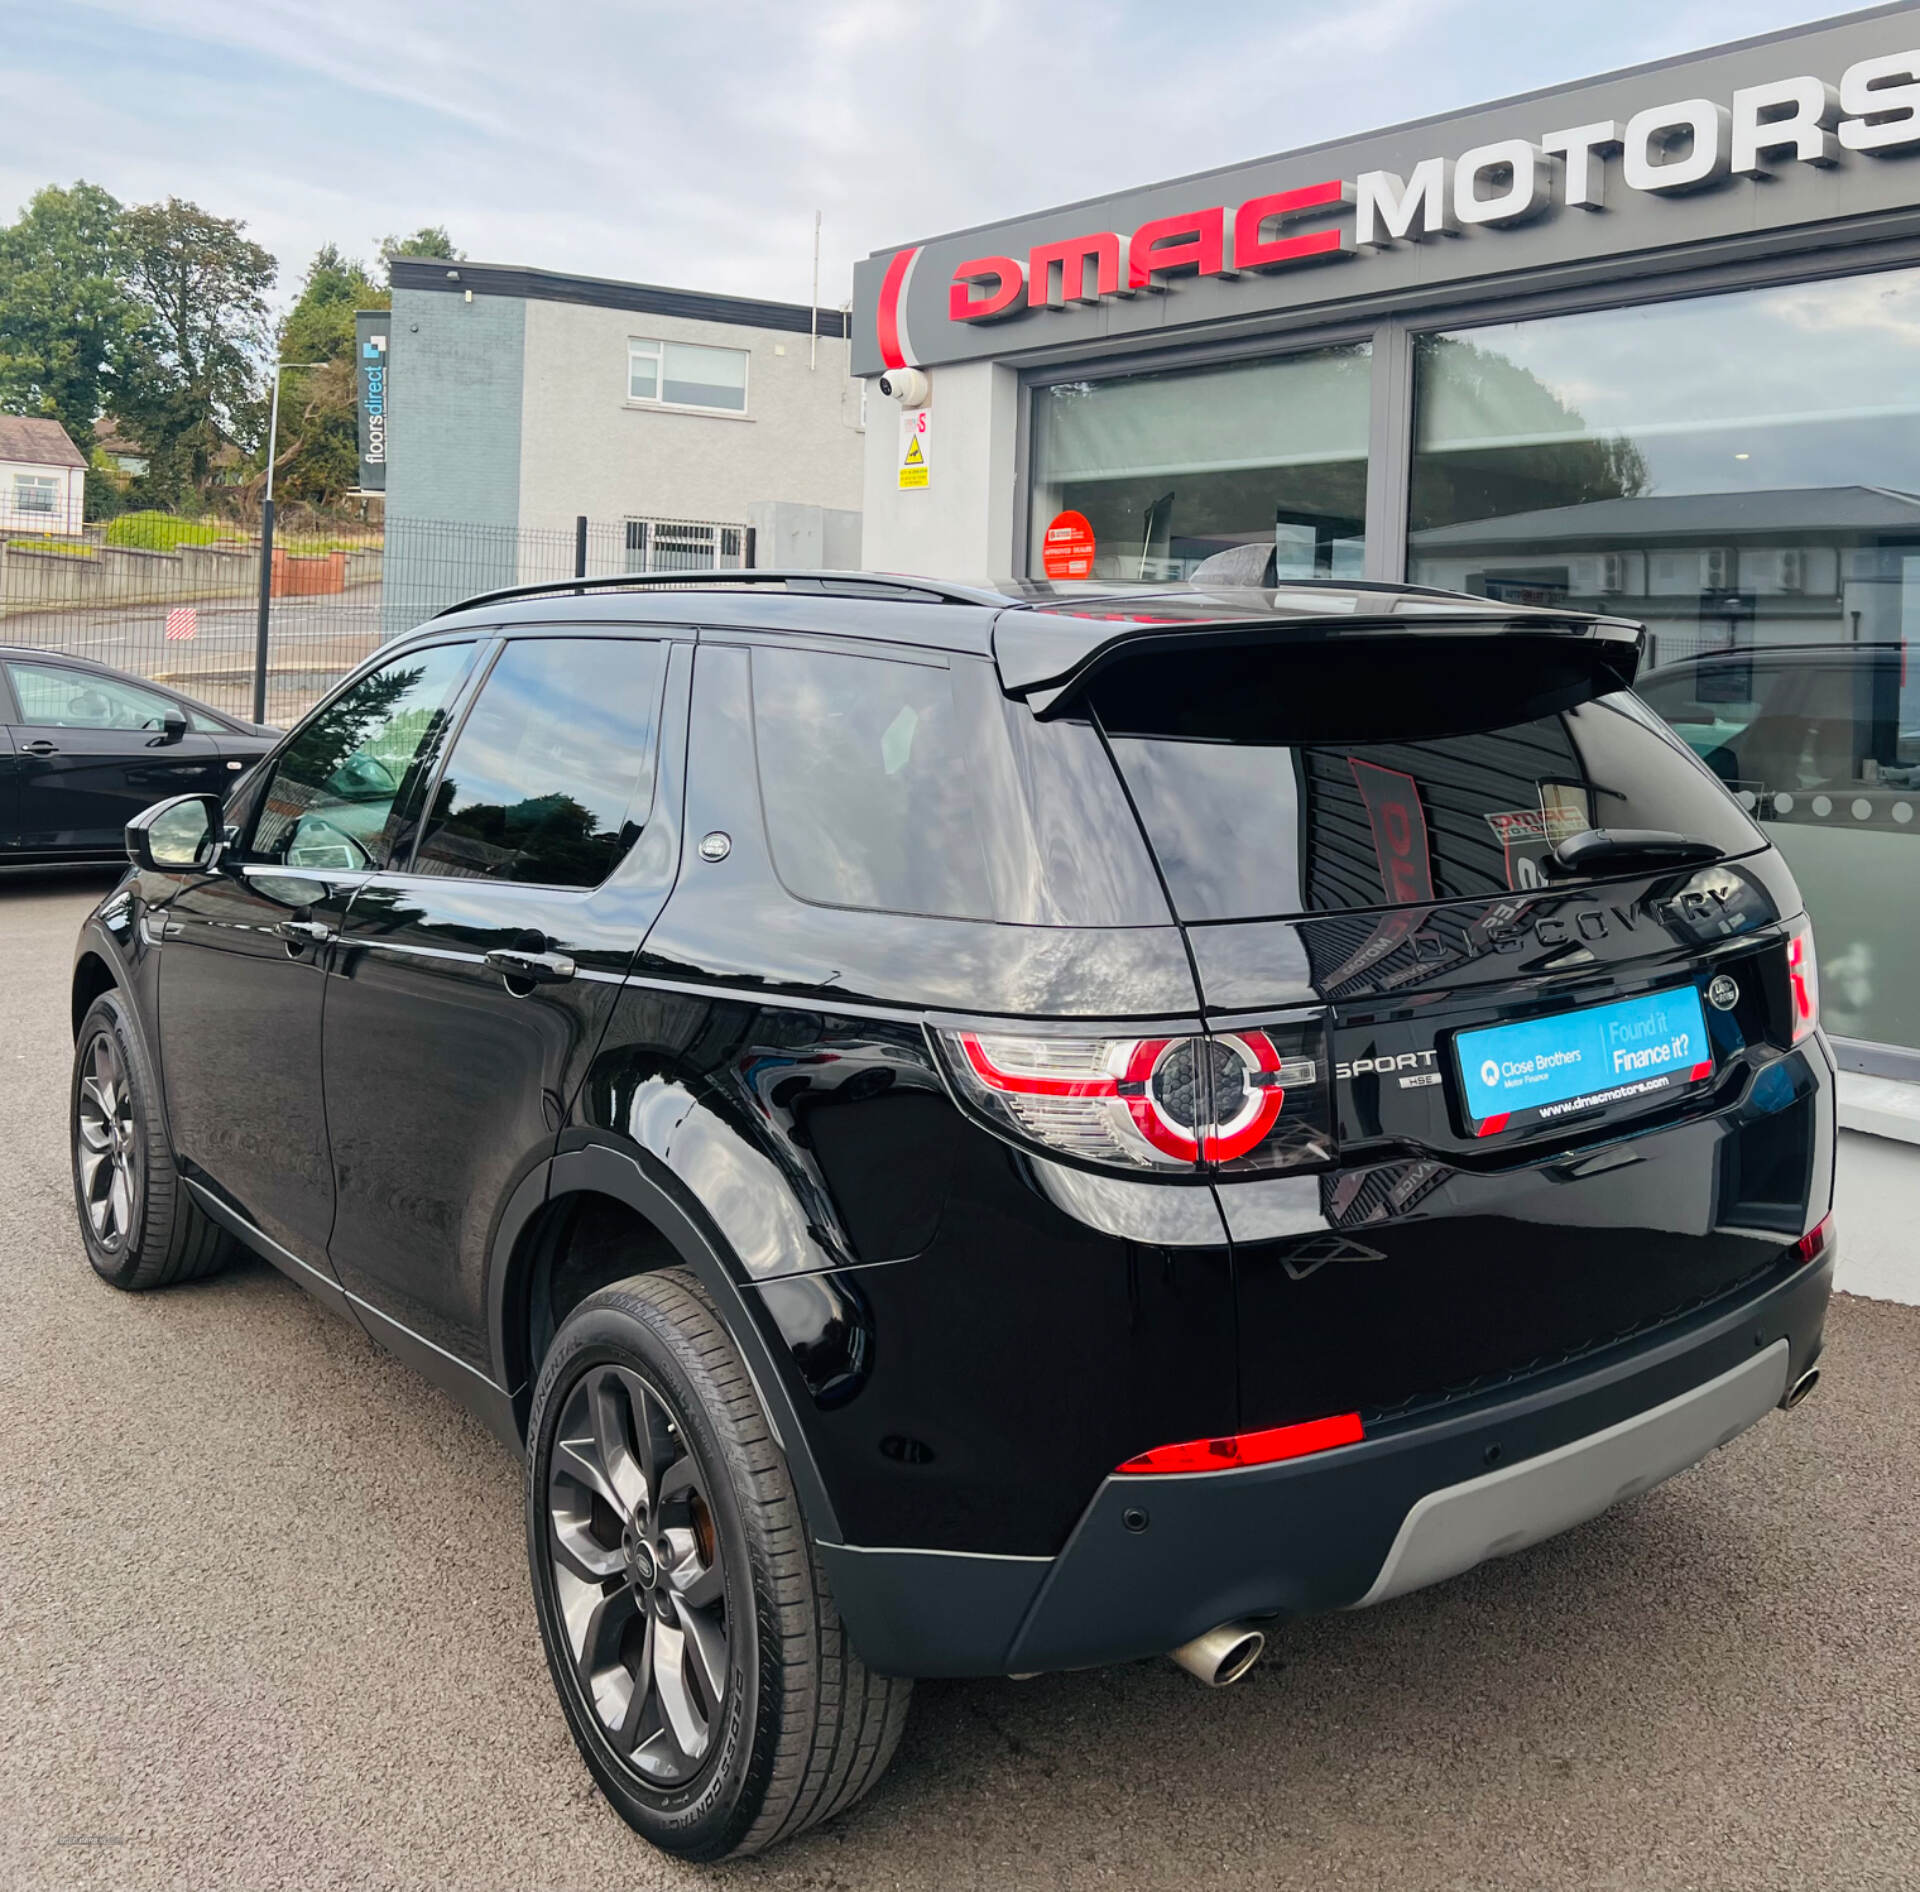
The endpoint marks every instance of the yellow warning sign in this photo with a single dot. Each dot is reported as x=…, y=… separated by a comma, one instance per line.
x=916, y=449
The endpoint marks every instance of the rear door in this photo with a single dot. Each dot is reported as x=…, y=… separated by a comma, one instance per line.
x=92, y=751
x=1375, y=848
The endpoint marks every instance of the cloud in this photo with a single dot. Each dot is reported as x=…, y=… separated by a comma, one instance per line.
x=692, y=145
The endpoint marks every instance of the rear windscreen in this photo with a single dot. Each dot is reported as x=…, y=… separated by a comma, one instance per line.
x=1252, y=814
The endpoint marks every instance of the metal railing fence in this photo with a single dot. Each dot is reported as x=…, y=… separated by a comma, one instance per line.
x=186, y=614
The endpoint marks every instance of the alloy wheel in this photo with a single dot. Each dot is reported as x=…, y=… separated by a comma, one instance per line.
x=108, y=1148
x=637, y=1574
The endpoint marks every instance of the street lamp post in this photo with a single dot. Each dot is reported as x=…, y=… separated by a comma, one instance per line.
x=266, y=544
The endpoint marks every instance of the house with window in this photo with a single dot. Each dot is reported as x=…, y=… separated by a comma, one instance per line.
x=43, y=477
x=693, y=431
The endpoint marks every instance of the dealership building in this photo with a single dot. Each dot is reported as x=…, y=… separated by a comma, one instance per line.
x=1648, y=344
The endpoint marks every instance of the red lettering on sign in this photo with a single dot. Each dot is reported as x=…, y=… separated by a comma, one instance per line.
x=1251, y=251
x=1009, y=282
x=1195, y=241
x=1072, y=259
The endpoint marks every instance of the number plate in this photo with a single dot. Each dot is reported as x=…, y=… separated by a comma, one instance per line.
x=1544, y=1069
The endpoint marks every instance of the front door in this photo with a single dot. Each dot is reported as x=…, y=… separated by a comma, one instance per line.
x=91, y=751
x=474, y=981
x=246, y=946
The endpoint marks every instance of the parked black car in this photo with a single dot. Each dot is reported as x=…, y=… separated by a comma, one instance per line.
x=83, y=749
x=981, y=1131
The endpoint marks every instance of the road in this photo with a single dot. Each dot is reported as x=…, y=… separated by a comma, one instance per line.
x=264, y=1622
x=311, y=642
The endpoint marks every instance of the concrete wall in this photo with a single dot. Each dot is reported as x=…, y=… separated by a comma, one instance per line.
x=804, y=538
x=959, y=525
x=587, y=449
x=453, y=450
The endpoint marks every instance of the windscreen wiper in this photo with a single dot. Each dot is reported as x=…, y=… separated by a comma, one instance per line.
x=1596, y=849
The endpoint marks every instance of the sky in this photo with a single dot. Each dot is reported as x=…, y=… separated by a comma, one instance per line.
x=691, y=144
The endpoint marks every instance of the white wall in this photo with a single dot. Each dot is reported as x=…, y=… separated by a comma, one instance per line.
x=960, y=525
x=586, y=449
x=71, y=499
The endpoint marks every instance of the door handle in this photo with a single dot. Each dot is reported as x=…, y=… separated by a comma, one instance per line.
x=42, y=747
x=304, y=932
x=532, y=968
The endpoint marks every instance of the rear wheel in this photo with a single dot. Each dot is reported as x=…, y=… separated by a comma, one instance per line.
x=704, y=1671
x=141, y=1228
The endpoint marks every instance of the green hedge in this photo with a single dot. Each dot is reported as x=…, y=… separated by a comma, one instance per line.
x=161, y=531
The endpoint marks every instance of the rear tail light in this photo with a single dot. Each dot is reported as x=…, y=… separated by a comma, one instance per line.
x=1251, y=1100
x=1250, y=1448
x=1816, y=1241
x=1803, y=980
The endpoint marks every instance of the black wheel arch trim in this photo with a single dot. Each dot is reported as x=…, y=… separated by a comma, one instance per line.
x=645, y=1185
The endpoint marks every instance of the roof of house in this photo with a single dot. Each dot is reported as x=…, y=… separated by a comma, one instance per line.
x=37, y=442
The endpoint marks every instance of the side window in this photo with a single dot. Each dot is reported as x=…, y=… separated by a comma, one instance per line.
x=864, y=778
x=51, y=695
x=551, y=776
x=335, y=786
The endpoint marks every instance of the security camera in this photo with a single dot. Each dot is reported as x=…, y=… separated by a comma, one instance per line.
x=908, y=386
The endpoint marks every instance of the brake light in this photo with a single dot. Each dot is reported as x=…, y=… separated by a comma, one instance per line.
x=1252, y=1099
x=1803, y=980
x=1816, y=1241
x=1250, y=1448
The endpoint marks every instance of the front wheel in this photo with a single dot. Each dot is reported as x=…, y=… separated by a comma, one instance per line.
x=705, y=1673
x=141, y=1228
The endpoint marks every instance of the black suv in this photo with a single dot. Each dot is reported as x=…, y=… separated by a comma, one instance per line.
x=970, y=1132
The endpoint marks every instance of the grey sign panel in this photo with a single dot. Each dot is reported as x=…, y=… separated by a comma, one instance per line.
x=1808, y=136
x=370, y=330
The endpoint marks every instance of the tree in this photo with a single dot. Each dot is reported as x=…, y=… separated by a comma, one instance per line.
x=195, y=381
x=319, y=453
x=429, y=240
x=67, y=322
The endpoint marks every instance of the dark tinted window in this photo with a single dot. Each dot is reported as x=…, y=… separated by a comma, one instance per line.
x=863, y=773
x=332, y=800
x=551, y=775
x=1245, y=828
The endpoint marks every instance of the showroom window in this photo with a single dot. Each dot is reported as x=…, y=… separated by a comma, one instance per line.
x=1257, y=466
x=684, y=374
x=1741, y=473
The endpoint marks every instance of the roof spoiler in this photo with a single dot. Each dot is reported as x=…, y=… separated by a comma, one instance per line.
x=1051, y=660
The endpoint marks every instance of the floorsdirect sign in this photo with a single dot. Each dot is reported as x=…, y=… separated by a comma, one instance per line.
x=370, y=357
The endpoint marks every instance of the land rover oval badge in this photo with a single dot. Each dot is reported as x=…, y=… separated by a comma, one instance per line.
x=1723, y=994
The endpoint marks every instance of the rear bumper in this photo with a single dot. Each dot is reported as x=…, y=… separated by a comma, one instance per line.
x=1343, y=1528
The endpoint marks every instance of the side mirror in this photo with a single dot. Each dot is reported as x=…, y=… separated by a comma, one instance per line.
x=176, y=836
x=173, y=727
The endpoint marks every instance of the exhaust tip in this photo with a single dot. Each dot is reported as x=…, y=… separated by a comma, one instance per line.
x=1800, y=1388
x=1223, y=1655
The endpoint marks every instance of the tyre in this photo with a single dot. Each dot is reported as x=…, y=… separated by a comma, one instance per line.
x=703, y=1668
x=141, y=1228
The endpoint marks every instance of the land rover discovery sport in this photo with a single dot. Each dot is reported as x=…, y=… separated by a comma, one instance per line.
x=978, y=1131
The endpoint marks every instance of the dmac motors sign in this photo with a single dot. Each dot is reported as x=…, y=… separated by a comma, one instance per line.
x=1742, y=150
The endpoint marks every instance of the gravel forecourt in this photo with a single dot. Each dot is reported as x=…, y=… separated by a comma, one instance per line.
x=264, y=1622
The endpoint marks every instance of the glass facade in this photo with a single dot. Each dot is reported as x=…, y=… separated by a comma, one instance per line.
x=1741, y=473
x=1738, y=471
x=1258, y=465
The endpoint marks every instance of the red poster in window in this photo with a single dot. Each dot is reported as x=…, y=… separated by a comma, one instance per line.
x=1399, y=831
x=1066, y=550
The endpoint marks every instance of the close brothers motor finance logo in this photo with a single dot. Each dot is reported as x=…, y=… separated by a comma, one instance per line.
x=1685, y=146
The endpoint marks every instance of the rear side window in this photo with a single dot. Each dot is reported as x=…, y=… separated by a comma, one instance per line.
x=551, y=775
x=1246, y=826
x=864, y=778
